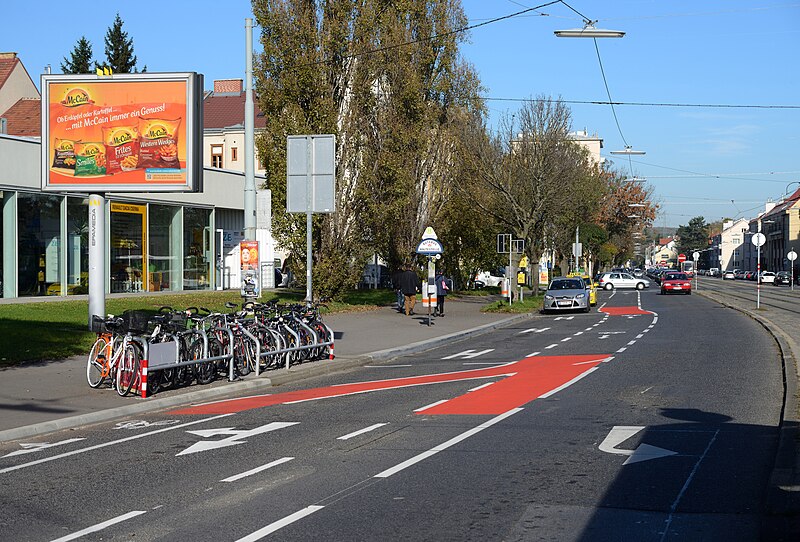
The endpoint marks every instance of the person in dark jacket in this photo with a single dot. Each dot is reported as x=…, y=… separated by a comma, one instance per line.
x=443, y=287
x=409, y=285
x=396, y=285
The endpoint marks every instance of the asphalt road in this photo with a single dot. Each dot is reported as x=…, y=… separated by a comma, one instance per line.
x=658, y=422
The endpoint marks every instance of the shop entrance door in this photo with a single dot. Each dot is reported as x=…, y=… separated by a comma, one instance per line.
x=128, y=247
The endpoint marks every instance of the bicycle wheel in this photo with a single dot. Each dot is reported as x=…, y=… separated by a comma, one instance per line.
x=243, y=354
x=204, y=371
x=127, y=369
x=96, y=370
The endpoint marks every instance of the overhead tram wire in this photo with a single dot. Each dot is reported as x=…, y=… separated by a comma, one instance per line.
x=647, y=104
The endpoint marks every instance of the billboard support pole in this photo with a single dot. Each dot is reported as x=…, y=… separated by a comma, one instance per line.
x=249, y=139
x=309, y=213
x=97, y=259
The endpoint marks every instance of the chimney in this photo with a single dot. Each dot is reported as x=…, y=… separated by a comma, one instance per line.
x=229, y=86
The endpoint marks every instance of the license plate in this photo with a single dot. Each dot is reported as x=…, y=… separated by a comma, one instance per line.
x=564, y=303
x=676, y=287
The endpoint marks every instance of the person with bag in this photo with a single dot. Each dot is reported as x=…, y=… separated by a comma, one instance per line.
x=443, y=287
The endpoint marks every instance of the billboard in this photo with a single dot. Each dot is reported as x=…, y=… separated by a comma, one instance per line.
x=122, y=133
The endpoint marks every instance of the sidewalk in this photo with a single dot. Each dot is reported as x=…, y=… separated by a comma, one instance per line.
x=47, y=396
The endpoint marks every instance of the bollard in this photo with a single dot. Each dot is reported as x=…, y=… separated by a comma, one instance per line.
x=143, y=378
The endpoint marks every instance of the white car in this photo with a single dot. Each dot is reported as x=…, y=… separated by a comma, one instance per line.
x=767, y=277
x=728, y=275
x=609, y=281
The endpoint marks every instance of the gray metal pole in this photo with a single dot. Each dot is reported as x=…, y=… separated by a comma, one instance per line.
x=249, y=139
x=309, y=214
x=97, y=259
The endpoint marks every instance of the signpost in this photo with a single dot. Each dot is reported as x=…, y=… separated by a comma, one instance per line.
x=507, y=244
x=695, y=257
x=432, y=249
x=758, y=240
x=792, y=256
x=310, y=183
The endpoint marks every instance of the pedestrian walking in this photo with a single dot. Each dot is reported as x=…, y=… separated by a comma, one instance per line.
x=409, y=285
x=443, y=287
x=399, y=291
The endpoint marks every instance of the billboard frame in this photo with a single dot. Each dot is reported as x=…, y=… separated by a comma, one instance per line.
x=193, y=123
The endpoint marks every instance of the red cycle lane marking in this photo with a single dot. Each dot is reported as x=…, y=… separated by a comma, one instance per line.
x=623, y=311
x=526, y=380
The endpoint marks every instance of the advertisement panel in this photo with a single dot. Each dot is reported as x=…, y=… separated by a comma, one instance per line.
x=250, y=269
x=122, y=133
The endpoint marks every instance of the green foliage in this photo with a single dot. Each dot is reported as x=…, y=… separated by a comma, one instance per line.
x=529, y=303
x=80, y=60
x=119, y=49
x=693, y=236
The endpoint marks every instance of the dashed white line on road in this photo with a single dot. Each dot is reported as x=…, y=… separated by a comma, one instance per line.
x=281, y=523
x=361, y=431
x=631, y=343
x=257, y=469
x=551, y=346
x=533, y=354
x=385, y=366
x=565, y=339
x=101, y=526
x=426, y=407
x=481, y=386
x=622, y=349
x=578, y=333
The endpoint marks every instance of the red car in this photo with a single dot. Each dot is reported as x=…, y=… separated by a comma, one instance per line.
x=676, y=283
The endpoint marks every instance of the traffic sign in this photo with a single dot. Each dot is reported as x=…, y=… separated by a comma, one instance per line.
x=759, y=239
x=681, y=258
x=695, y=255
x=792, y=256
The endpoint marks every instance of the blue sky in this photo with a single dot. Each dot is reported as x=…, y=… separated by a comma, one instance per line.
x=701, y=161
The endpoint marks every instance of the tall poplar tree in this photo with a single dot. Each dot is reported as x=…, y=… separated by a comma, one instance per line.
x=80, y=60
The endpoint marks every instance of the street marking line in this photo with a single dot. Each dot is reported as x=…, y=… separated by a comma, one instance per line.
x=385, y=366
x=565, y=339
x=532, y=354
x=101, y=526
x=469, y=354
x=496, y=363
x=622, y=349
x=361, y=431
x=445, y=445
x=107, y=444
x=609, y=358
x=481, y=386
x=567, y=384
x=631, y=343
x=578, y=333
x=257, y=469
x=640, y=335
x=280, y=524
x=551, y=346
x=426, y=407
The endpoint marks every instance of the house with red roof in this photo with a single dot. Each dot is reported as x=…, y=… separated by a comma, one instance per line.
x=20, y=101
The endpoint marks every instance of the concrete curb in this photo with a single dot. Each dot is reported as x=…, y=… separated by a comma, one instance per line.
x=274, y=378
x=783, y=491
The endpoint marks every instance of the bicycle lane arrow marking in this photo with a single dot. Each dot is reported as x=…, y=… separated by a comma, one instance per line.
x=526, y=380
x=644, y=452
x=29, y=448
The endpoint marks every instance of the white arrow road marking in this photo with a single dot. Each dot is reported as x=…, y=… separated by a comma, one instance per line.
x=236, y=437
x=534, y=330
x=621, y=433
x=469, y=354
x=31, y=447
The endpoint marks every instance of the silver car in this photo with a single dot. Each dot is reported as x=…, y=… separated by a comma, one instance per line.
x=566, y=293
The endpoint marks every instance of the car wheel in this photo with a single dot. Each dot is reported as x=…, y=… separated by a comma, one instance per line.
x=587, y=309
x=689, y=292
x=608, y=286
x=640, y=285
x=663, y=292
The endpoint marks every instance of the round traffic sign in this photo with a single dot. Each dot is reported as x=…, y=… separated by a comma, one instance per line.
x=792, y=256
x=759, y=239
x=681, y=258
x=695, y=255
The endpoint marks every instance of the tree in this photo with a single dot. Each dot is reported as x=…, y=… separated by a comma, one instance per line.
x=119, y=50
x=80, y=60
x=538, y=186
x=374, y=74
x=693, y=236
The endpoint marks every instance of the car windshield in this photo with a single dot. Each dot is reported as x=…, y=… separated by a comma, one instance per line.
x=566, y=285
x=677, y=276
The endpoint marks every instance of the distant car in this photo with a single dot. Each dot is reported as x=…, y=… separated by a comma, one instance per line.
x=673, y=283
x=566, y=293
x=767, y=277
x=728, y=275
x=782, y=277
x=609, y=281
x=485, y=278
x=749, y=275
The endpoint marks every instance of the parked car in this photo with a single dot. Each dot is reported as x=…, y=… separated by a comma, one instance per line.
x=714, y=272
x=676, y=283
x=767, y=277
x=782, y=277
x=486, y=278
x=609, y=281
x=728, y=275
x=566, y=293
x=750, y=275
